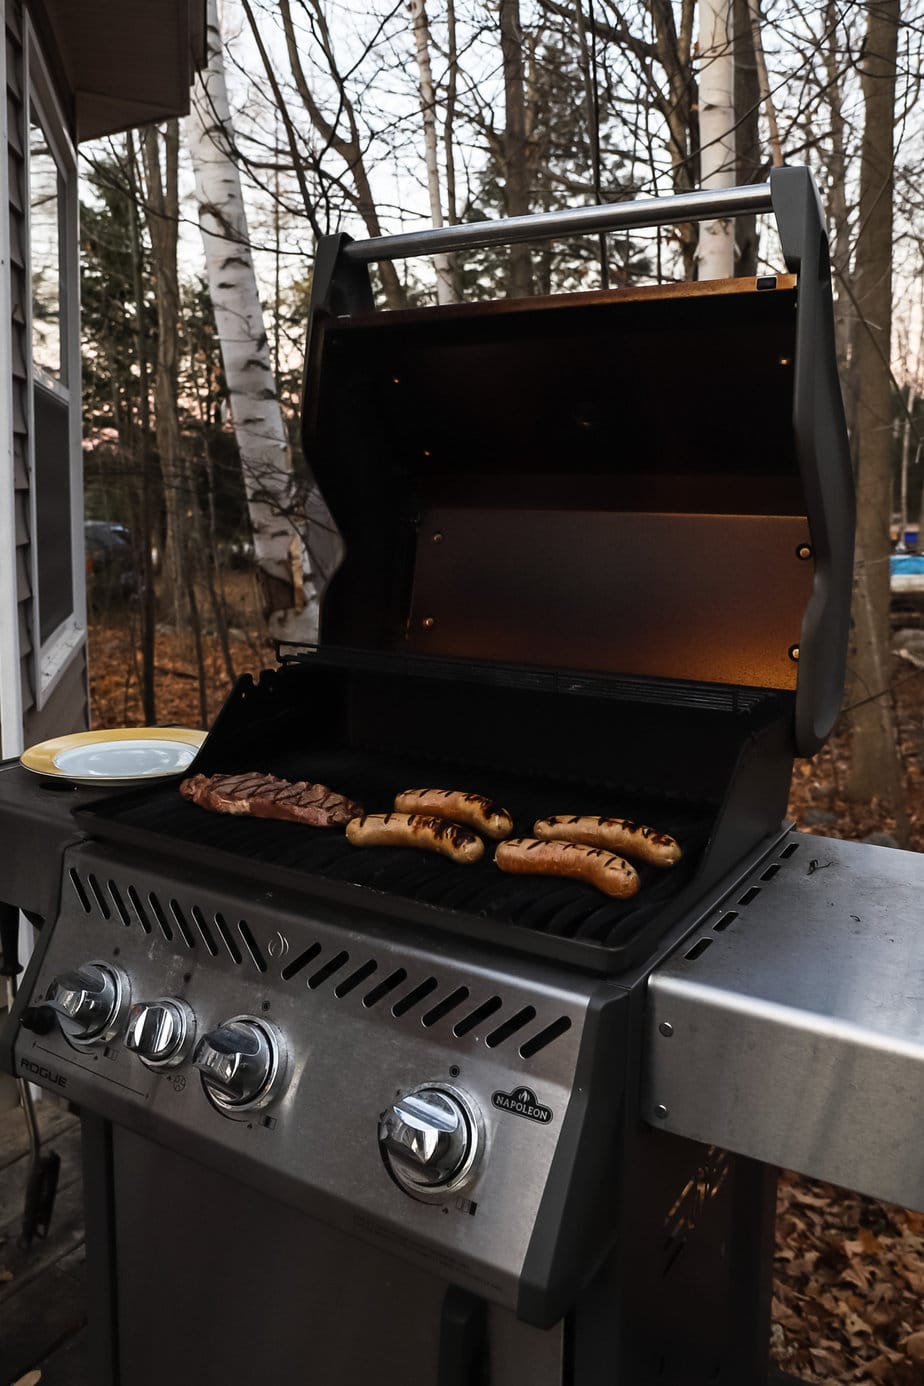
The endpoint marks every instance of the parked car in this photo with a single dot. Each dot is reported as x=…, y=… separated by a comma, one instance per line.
x=112, y=570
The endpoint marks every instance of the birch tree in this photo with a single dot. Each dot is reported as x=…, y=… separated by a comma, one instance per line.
x=445, y=279
x=716, y=253
x=290, y=596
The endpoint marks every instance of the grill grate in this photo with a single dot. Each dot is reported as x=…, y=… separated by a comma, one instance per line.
x=293, y=854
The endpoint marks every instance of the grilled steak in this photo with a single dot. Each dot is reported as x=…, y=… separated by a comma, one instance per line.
x=265, y=796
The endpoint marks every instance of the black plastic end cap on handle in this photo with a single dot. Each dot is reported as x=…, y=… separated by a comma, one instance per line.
x=823, y=452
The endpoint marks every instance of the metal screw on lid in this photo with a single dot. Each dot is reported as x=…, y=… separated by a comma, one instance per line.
x=666, y=1029
x=660, y=1111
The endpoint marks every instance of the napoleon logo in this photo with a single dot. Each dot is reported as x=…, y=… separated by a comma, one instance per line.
x=523, y=1102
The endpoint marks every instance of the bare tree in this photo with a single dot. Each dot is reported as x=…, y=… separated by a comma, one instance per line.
x=347, y=145
x=874, y=766
x=515, y=158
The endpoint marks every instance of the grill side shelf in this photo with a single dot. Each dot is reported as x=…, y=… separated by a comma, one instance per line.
x=788, y=1027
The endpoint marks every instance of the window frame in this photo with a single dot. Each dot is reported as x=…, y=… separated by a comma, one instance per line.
x=53, y=656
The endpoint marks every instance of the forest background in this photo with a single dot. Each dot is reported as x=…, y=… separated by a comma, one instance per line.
x=313, y=116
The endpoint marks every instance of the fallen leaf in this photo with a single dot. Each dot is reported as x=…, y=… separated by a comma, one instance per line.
x=914, y=1347
x=5, y=1275
x=30, y=1379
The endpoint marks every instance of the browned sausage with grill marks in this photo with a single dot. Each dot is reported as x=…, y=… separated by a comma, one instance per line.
x=474, y=810
x=532, y=857
x=416, y=830
x=614, y=834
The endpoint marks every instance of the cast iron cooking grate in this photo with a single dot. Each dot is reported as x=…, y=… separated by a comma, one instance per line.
x=286, y=854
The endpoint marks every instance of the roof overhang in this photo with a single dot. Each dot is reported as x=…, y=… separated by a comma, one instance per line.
x=127, y=62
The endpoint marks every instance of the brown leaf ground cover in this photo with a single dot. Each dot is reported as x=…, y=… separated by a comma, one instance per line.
x=848, y=1300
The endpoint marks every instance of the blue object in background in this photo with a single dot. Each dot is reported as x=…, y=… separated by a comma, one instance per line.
x=905, y=564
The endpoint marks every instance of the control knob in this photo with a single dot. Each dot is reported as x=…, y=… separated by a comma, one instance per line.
x=241, y=1063
x=160, y=1032
x=430, y=1140
x=89, y=1002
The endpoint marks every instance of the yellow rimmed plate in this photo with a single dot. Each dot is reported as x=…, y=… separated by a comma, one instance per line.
x=122, y=755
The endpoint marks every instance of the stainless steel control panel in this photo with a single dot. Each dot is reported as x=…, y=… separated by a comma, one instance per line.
x=412, y=1098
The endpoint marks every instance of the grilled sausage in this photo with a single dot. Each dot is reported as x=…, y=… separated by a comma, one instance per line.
x=416, y=830
x=530, y=856
x=472, y=809
x=615, y=834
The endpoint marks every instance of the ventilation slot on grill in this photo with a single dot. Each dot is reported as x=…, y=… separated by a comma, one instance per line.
x=545, y=1037
x=788, y=851
x=79, y=891
x=182, y=924
x=99, y=897
x=387, y=984
x=770, y=872
x=139, y=909
x=698, y=949
x=349, y=983
x=317, y=979
x=749, y=895
x=721, y=924
x=119, y=903
x=293, y=968
x=475, y=1017
x=227, y=938
x=510, y=1027
x=205, y=932
x=414, y=997
x=448, y=1003
x=158, y=913
x=250, y=943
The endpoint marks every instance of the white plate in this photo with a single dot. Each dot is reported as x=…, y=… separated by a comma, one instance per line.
x=116, y=757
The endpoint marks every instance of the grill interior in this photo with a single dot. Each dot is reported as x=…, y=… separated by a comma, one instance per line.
x=670, y=758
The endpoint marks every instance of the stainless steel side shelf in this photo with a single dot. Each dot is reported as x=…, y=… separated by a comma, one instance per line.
x=790, y=1026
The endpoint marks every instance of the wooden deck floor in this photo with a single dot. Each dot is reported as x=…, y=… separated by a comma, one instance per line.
x=42, y=1287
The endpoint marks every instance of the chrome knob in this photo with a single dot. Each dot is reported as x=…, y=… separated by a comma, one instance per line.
x=160, y=1031
x=429, y=1138
x=241, y=1063
x=88, y=1002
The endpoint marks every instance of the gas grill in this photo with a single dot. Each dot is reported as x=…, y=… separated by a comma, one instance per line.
x=365, y=1114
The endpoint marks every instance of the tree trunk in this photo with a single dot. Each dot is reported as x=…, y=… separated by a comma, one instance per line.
x=874, y=768
x=516, y=177
x=162, y=204
x=445, y=280
x=143, y=452
x=748, y=163
x=716, y=253
x=290, y=600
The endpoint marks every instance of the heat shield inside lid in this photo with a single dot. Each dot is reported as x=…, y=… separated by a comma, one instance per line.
x=604, y=481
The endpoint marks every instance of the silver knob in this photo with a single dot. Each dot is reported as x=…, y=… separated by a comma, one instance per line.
x=429, y=1138
x=88, y=1001
x=160, y=1031
x=241, y=1063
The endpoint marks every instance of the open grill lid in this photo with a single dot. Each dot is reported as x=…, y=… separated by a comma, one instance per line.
x=645, y=482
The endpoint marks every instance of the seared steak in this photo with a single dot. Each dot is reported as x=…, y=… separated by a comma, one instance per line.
x=265, y=796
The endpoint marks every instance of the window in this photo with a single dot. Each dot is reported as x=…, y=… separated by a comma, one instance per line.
x=54, y=426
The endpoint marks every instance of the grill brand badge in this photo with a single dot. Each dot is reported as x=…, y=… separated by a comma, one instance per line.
x=523, y=1102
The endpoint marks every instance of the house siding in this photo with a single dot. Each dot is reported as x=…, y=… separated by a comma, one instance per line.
x=66, y=709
